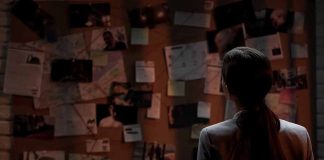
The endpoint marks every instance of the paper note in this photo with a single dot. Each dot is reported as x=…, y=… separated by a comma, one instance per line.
x=145, y=71
x=5, y=112
x=299, y=50
x=99, y=58
x=78, y=119
x=26, y=65
x=76, y=156
x=286, y=111
x=203, y=110
x=213, y=59
x=213, y=84
x=192, y=19
x=298, y=26
x=98, y=145
x=132, y=133
x=37, y=155
x=269, y=45
x=176, y=88
x=154, y=111
x=187, y=61
x=140, y=36
x=5, y=142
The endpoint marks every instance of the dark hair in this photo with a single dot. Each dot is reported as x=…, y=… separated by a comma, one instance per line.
x=248, y=76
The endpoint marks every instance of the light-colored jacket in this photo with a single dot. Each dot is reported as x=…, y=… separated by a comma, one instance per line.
x=216, y=141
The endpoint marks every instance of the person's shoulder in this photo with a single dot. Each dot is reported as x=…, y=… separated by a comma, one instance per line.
x=289, y=126
x=221, y=129
x=292, y=129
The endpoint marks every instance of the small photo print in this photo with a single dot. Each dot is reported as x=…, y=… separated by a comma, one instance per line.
x=44, y=155
x=233, y=14
x=89, y=15
x=154, y=151
x=290, y=78
x=148, y=16
x=110, y=39
x=33, y=126
x=32, y=59
x=225, y=40
x=269, y=21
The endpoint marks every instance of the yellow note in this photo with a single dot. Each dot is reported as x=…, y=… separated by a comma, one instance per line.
x=176, y=88
x=99, y=58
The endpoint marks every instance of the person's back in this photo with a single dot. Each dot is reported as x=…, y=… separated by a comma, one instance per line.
x=255, y=132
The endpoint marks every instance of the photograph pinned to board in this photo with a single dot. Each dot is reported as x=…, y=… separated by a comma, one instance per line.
x=148, y=16
x=38, y=155
x=98, y=145
x=187, y=61
x=139, y=36
x=290, y=78
x=192, y=19
x=123, y=94
x=77, y=119
x=78, y=156
x=221, y=41
x=34, y=17
x=26, y=65
x=89, y=15
x=113, y=116
x=132, y=133
x=33, y=126
x=233, y=14
x=184, y=115
x=154, y=151
x=71, y=70
x=213, y=81
x=269, y=45
x=283, y=104
x=109, y=39
x=270, y=21
x=104, y=76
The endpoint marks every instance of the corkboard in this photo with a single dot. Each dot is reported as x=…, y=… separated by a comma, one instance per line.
x=162, y=35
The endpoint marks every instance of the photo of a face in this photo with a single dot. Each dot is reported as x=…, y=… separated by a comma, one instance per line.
x=111, y=39
x=225, y=40
x=89, y=15
x=33, y=126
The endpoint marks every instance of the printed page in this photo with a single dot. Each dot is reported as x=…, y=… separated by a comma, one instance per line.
x=26, y=65
x=145, y=71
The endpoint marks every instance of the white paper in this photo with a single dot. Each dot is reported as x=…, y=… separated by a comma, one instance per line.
x=176, y=88
x=213, y=81
x=298, y=26
x=98, y=145
x=187, y=61
x=78, y=119
x=5, y=112
x=299, y=50
x=203, y=110
x=145, y=71
x=37, y=155
x=103, y=77
x=5, y=142
x=140, y=36
x=192, y=19
x=154, y=111
x=132, y=133
x=76, y=156
x=269, y=45
x=24, y=71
